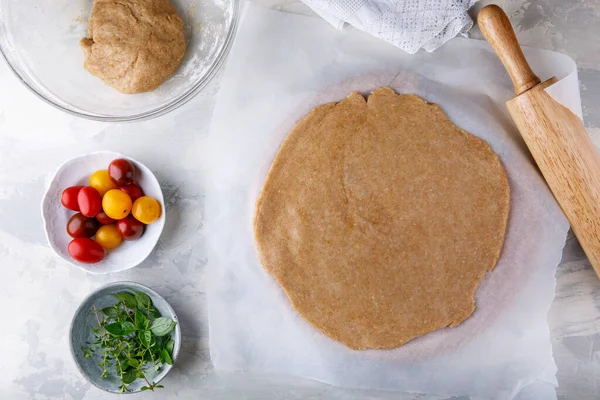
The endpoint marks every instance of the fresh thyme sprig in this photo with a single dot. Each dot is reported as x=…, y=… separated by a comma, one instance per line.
x=131, y=337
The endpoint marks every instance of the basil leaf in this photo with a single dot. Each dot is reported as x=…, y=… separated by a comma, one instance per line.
x=128, y=299
x=150, y=313
x=120, y=328
x=170, y=345
x=161, y=340
x=154, y=312
x=164, y=355
x=144, y=388
x=110, y=312
x=145, y=337
x=140, y=320
x=162, y=326
x=134, y=363
x=129, y=376
x=143, y=300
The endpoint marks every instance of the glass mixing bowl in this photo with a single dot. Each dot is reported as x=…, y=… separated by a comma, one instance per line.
x=40, y=42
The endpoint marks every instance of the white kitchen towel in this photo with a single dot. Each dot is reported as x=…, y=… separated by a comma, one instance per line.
x=407, y=24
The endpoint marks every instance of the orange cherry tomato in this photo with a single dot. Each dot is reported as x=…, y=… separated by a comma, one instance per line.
x=146, y=210
x=116, y=204
x=108, y=236
x=101, y=181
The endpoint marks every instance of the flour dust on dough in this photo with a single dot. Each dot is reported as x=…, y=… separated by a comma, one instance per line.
x=133, y=45
x=379, y=218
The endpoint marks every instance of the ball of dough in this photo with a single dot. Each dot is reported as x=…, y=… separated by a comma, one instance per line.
x=133, y=45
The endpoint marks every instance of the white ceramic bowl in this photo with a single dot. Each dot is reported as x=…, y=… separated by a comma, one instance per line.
x=77, y=172
x=40, y=42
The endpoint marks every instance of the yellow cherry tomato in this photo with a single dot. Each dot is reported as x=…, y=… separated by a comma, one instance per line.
x=101, y=181
x=116, y=204
x=146, y=209
x=108, y=236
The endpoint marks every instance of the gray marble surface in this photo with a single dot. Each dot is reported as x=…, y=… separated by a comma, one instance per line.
x=40, y=292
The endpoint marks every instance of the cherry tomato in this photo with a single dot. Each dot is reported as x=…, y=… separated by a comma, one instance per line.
x=108, y=236
x=86, y=250
x=146, y=209
x=116, y=204
x=104, y=219
x=89, y=200
x=81, y=226
x=121, y=171
x=102, y=182
x=69, y=197
x=130, y=228
x=133, y=190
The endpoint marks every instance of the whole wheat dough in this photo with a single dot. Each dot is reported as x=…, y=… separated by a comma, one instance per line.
x=379, y=219
x=133, y=45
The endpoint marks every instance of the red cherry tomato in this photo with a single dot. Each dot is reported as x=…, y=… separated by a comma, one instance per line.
x=133, y=190
x=130, y=228
x=89, y=200
x=81, y=226
x=121, y=171
x=69, y=197
x=104, y=219
x=86, y=250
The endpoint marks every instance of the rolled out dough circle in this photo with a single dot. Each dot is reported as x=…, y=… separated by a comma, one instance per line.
x=379, y=218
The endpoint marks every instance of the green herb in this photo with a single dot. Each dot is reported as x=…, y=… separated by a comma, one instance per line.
x=131, y=338
x=127, y=299
x=120, y=328
x=162, y=326
x=143, y=300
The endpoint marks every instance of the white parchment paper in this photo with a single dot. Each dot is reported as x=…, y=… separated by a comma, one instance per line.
x=280, y=67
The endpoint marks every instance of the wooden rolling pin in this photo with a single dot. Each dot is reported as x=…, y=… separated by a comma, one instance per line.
x=554, y=135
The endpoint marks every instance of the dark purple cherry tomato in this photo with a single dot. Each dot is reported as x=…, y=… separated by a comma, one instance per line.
x=69, y=198
x=89, y=200
x=133, y=190
x=81, y=226
x=86, y=250
x=121, y=171
x=105, y=219
x=130, y=228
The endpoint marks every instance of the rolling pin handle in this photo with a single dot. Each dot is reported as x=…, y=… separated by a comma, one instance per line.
x=497, y=30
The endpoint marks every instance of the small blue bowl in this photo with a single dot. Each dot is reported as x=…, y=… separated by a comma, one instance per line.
x=82, y=333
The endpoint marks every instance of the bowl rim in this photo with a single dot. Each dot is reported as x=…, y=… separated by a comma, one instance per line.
x=46, y=196
x=158, y=111
x=143, y=288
